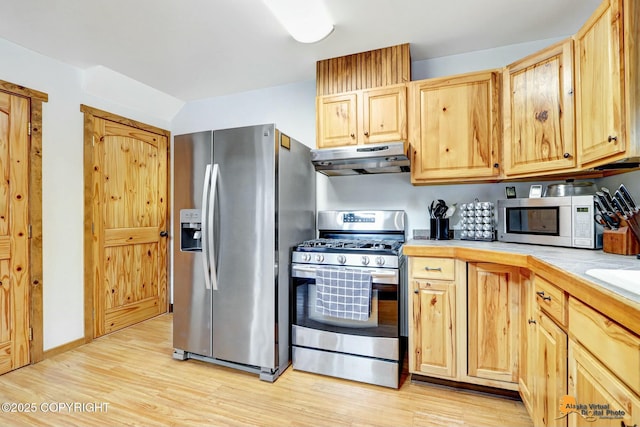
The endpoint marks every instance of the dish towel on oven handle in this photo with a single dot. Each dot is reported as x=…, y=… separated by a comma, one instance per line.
x=343, y=293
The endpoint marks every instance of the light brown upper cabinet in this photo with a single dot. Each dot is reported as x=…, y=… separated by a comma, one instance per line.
x=607, y=87
x=455, y=128
x=362, y=117
x=539, y=113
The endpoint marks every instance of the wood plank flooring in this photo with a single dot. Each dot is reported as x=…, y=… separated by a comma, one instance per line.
x=130, y=378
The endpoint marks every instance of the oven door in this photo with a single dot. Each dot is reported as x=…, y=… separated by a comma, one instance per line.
x=383, y=318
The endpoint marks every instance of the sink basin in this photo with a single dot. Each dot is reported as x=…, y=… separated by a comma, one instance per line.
x=629, y=280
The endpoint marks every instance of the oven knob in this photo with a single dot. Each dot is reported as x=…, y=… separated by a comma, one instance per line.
x=319, y=258
x=379, y=260
x=365, y=260
x=306, y=257
x=342, y=259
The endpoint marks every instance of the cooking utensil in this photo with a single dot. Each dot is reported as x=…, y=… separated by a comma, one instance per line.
x=607, y=194
x=449, y=213
x=609, y=218
x=619, y=209
x=628, y=197
x=600, y=220
x=583, y=188
x=431, y=209
x=627, y=209
x=605, y=202
x=441, y=210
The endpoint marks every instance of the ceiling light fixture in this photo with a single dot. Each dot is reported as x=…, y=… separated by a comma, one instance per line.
x=306, y=20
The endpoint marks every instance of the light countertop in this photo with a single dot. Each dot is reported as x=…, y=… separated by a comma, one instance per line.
x=572, y=261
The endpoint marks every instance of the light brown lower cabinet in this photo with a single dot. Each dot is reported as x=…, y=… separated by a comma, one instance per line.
x=591, y=383
x=507, y=327
x=527, y=340
x=493, y=292
x=550, y=372
x=434, y=329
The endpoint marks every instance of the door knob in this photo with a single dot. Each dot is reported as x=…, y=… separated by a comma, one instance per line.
x=164, y=233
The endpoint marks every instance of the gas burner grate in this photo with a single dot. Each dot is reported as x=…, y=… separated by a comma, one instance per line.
x=386, y=245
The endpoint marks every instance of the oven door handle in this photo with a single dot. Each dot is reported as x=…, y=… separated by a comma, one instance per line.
x=374, y=274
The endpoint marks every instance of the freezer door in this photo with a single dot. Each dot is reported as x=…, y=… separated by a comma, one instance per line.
x=244, y=306
x=192, y=304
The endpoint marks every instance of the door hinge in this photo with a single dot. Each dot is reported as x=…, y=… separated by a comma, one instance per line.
x=92, y=229
x=30, y=334
x=93, y=141
x=29, y=128
x=29, y=231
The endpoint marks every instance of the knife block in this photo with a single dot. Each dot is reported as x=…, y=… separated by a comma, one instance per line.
x=621, y=241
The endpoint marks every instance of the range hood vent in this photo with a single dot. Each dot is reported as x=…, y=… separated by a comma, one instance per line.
x=361, y=159
x=628, y=163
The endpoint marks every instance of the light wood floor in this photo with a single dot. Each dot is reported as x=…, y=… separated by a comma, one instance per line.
x=133, y=373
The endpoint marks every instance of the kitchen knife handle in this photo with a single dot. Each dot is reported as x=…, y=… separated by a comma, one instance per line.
x=627, y=196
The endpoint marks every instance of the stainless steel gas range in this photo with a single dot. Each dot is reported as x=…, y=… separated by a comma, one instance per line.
x=346, y=297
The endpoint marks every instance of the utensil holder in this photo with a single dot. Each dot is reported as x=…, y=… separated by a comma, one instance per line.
x=625, y=240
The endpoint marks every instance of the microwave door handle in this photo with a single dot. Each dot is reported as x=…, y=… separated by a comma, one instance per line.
x=215, y=174
x=206, y=192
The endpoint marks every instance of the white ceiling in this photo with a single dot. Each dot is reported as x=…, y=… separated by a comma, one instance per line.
x=193, y=49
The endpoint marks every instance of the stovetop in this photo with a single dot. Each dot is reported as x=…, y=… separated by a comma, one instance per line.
x=381, y=246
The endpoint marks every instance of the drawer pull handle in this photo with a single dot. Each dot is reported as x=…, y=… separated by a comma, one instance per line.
x=545, y=298
x=433, y=269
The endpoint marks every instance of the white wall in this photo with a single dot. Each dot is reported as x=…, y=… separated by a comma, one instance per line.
x=291, y=107
x=62, y=177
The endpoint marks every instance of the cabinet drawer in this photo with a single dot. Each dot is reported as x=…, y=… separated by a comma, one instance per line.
x=617, y=348
x=432, y=268
x=552, y=300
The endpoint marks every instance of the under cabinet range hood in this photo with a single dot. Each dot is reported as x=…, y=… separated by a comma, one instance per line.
x=361, y=159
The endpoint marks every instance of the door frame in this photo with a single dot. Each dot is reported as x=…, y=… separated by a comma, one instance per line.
x=36, y=98
x=89, y=262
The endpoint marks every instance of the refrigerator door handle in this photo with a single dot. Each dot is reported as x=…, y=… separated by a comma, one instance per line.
x=206, y=193
x=210, y=218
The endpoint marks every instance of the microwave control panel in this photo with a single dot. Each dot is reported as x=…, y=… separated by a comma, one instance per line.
x=583, y=226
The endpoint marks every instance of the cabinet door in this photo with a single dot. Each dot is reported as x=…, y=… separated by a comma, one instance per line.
x=600, y=84
x=456, y=127
x=539, y=112
x=494, y=321
x=551, y=372
x=527, y=341
x=336, y=120
x=590, y=383
x=432, y=338
x=384, y=117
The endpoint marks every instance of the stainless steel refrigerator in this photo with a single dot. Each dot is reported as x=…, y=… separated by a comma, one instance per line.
x=243, y=198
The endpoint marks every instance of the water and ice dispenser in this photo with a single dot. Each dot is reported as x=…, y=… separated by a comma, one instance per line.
x=191, y=230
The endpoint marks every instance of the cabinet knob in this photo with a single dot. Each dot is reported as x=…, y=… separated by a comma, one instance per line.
x=416, y=291
x=612, y=138
x=496, y=165
x=353, y=135
x=531, y=321
x=566, y=155
x=164, y=233
x=366, y=133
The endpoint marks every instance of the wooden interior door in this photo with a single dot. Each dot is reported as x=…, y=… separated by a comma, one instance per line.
x=14, y=232
x=129, y=225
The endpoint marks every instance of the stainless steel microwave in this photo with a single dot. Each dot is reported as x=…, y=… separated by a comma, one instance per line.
x=556, y=221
